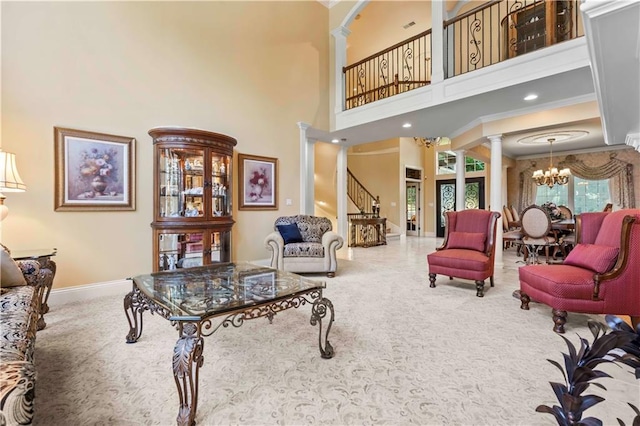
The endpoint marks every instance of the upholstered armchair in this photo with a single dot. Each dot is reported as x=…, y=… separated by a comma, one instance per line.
x=304, y=243
x=468, y=250
x=599, y=276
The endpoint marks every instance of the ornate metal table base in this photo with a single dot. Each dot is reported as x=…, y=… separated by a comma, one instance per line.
x=187, y=353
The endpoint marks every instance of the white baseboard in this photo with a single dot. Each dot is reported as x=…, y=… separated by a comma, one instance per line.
x=88, y=292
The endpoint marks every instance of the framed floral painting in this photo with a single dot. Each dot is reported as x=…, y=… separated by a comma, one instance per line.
x=258, y=186
x=94, y=171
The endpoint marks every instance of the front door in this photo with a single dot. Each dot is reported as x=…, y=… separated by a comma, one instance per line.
x=413, y=208
x=446, y=198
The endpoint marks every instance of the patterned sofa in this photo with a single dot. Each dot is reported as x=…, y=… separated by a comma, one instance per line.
x=20, y=301
x=315, y=253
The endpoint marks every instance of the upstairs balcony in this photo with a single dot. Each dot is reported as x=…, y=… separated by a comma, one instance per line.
x=499, y=31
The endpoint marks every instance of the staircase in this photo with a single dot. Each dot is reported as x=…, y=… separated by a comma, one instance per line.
x=365, y=202
x=362, y=198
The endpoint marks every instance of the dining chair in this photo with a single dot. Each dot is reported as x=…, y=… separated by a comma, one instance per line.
x=566, y=212
x=506, y=211
x=566, y=238
x=536, y=227
x=515, y=214
x=511, y=236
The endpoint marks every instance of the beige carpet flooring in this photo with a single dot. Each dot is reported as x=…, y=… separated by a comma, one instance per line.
x=406, y=354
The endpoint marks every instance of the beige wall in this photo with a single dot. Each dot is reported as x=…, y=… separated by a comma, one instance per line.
x=247, y=69
x=381, y=24
x=377, y=167
x=325, y=179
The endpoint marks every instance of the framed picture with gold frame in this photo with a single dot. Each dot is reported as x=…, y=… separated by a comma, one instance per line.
x=94, y=171
x=258, y=188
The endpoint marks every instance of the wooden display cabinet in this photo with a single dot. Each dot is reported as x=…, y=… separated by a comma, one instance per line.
x=540, y=24
x=192, y=197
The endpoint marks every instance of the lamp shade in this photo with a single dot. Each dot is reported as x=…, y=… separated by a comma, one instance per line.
x=10, y=180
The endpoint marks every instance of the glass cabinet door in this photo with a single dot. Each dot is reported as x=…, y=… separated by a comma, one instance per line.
x=181, y=182
x=180, y=250
x=220, y=196
x=220, y=250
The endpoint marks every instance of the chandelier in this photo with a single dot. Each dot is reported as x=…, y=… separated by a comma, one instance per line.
x=429, y=142
x=551, y=176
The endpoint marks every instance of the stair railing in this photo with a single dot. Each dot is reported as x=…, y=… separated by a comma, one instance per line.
x=360, y=196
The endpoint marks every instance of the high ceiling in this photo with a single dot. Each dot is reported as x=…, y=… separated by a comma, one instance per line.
x=566, y=90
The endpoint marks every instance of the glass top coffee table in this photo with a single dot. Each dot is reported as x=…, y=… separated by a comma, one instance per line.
x=198, y=301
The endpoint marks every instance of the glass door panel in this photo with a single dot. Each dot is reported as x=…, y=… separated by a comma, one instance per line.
x=179, y=250
x=446, y=199
x=181, y=182
x=220, y=172
x=220, y=246
x=413, y=211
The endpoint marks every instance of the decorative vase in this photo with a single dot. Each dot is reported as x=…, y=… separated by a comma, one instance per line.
x=98, y=185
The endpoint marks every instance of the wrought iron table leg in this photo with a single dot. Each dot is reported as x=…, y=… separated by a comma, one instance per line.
x=134, y=306
x=187, y=360
x=321, y=307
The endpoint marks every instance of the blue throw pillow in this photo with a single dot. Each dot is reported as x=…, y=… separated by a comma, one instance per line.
x=290, y=233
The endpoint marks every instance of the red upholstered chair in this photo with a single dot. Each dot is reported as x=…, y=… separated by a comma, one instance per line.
x=599, y=276
x=468, y=249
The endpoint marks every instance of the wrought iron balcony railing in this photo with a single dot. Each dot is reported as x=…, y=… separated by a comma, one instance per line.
x=500, y=30
x=483, y=36
x=397, y=69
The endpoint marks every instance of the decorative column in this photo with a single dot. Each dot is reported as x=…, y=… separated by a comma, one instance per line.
x=437, y=41
x=340, y=36
x=496, y=190
x=460, y=181
x=341, y=179
x=307, y=158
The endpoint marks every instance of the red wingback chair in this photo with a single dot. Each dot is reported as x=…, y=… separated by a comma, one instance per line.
x=468, y=250
x=599, y=276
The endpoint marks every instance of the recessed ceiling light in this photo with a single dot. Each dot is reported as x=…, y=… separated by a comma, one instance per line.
x=335, y=140
x=531, y=97
x=406, y=125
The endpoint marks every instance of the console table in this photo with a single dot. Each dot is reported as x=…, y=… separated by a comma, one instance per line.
x=368, y=232
x=43, y=257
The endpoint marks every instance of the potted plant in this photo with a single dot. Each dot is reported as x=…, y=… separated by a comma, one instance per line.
x=620, y=345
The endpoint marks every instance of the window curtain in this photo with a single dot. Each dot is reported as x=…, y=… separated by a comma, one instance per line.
x=619, y=173
x=527, y=188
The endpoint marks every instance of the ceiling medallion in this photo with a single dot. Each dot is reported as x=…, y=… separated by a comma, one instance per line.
x=558, y=136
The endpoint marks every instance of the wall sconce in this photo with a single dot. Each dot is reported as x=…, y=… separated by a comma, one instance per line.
x=10, y=180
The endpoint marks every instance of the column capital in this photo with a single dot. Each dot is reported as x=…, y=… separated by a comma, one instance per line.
x=302, y=125
x=495, y=138
x=340, y=32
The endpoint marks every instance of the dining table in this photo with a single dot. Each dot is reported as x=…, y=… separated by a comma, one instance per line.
x=563, y=224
